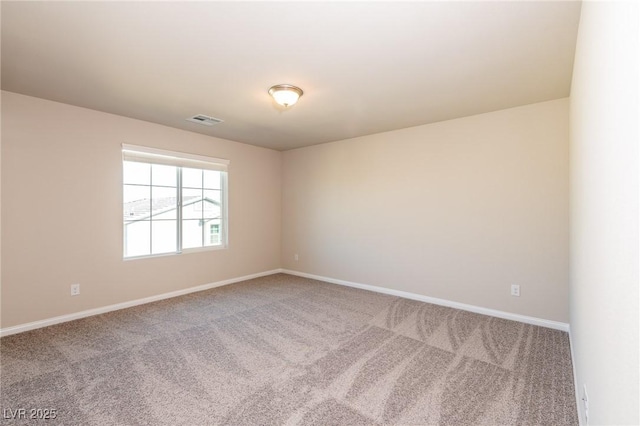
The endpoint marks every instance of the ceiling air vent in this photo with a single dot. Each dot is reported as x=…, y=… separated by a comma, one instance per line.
x=204, y=119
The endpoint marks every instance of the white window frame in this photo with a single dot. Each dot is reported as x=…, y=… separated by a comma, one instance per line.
x=150, y=155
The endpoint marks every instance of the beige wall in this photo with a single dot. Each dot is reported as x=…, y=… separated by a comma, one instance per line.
x=604, y=211
x=62, y=211
x=457, y=210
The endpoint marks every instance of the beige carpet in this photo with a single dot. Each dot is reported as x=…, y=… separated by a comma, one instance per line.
x=288, y=350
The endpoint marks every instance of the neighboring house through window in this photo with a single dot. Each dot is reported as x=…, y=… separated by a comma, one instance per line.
x=172, y=201
x=214, y=233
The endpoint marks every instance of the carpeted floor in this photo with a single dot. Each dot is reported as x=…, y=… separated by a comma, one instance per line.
x=289, y=350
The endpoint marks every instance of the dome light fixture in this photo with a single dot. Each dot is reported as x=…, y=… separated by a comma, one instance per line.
x=285, y=94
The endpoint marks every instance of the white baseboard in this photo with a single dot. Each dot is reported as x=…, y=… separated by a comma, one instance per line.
x=471, y=308
x=443, y=302
x=575, y=380
x=97, y=311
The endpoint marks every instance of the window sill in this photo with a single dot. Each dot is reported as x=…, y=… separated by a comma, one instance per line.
x=185, y=251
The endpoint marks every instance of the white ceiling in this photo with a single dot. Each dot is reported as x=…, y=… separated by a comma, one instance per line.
x=365, y=67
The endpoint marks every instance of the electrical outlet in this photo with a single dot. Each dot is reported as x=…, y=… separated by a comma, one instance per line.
x=585, y=404
x=75, y=289
x=295, y=257
x=515, y=290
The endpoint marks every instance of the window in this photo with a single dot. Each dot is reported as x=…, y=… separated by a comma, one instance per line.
x=214, y=233
x=172, y=201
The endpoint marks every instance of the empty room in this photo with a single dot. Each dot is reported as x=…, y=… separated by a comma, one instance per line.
x=320, y=213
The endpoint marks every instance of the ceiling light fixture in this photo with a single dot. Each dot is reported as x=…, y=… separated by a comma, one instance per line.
x=285, y=94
